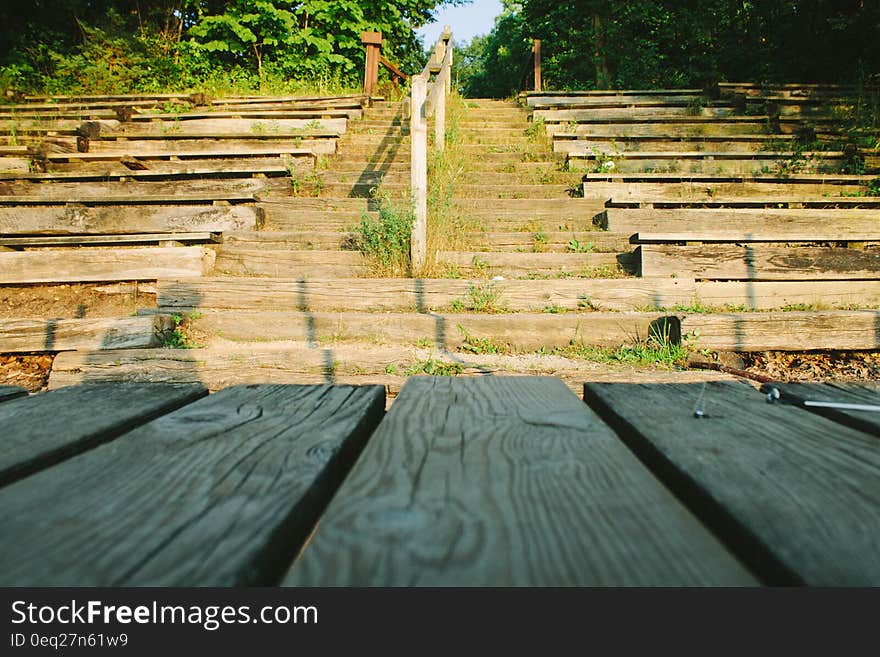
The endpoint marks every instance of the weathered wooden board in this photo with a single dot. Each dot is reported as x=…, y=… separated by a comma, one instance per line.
x=847, y=393
x=726, y=192
x=73, y=220
x=658, y=143
x=785, y=331
x=104, y=156
x=11, y=392
x=747, y=236
x=162, y=239
x=211, y=143
x=710, y=164
x=45, y=429
x=249, y=260
x=577, y=101
x=501, y=482
x=779, y=294
x=793, y=494
x=519, y=264
x=683, y=126
x=360, y=294
x=266, y=117
x=104, y=264
x=14, y=165
x=130, y=193
x=286, y=127
x=521, y=331
x=727, y=262
x=163, y=171
x=33, y=334
x=842, y=222
x=219, y=493
x=708, y=199
x=644, y=113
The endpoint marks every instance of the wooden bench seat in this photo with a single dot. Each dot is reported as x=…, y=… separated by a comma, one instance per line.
x=220, y=492
x=128, y=238
x=798, y=503
x=504, y=481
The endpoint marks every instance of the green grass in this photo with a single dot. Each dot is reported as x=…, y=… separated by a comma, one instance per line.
x=433, y=367
x=480, y=298
x=479, y=346
x=385, y=239
x=178, y=337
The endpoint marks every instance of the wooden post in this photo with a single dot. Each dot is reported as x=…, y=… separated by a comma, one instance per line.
x=373, y=42
x=536, y=49
x=440, y=120
x=419, y=173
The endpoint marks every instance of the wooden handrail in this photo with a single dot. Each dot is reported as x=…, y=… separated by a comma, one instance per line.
x=374, y=57
x=427, y=98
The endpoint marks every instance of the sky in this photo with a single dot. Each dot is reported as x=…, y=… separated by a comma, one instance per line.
x=466, y=21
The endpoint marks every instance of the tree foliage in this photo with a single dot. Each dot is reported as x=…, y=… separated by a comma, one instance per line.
x=668, y=43
x=124, y=45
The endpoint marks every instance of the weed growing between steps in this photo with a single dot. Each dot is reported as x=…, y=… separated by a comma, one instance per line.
x=480, y=298
x=385, y=240
x=179, y=336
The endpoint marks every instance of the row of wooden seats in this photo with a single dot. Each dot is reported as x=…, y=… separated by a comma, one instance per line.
x=487, y=481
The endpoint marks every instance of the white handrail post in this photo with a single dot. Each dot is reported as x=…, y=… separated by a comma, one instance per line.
x=440, y=122
x=419, y=172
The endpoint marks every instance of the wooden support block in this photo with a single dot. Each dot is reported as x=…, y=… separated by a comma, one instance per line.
x=222, y=492
x=34, y=335
x=104, y=264
x=45, y=429
x=723, y=262
x=793, y=494
x=504, y=481
x=785, y=331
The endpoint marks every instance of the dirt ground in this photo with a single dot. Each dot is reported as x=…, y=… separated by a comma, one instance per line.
x=78, y=300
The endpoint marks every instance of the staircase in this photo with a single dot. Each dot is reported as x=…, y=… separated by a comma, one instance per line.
x=531, y=288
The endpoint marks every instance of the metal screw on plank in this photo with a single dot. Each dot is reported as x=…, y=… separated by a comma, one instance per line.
x=699, y=410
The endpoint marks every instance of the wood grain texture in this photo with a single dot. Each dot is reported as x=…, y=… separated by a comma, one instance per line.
x=504, y=481
x=104, y=264
x=127, y=193
x=126, y=219
x=45, y=429
x=785, y=331
x=11, y=392
x=778, y=294
x=847, y=393
x=219, y=493
x=404, y=294
x=793, y=494
x=782, y=222
x=666, y=192
x=35, y=334
x=731, y=262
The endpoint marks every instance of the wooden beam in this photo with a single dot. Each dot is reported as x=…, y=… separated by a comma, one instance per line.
x=242, y=487
x=419, y=172
x=792, y=494
x=536, y=54
x=36, y=335
x=770, y=234
x=45, y=429
x=768, y=295
x=11, y=392
x=843, y=330
x=104, y=264
x=724, y=262
x=440, y=493
x=837, y=393
x=196, y=220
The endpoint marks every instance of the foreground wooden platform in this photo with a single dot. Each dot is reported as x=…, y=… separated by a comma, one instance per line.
x=475, y=482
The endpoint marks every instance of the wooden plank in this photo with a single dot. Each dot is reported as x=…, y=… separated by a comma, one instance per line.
x=779, y=294
x=243, y=476
x=709, y=198
x=842, y=330
x=172, y=145
x=42, y=430
x=728, y=262
x=792, y=221
x=725, y=192
x=130, y=193
x=230, y=169
x=250, y=260
x=448, y=330
x=34, y=334
x=360, y=294
x=110, y=220
x=234, y=153
x=453, y=489
x=770, y=234
x=794, y=495
x=86, y=240
x=104, y=264
x=847, y=393
x=11, y=392
x=279, y=127
x=517, y=264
